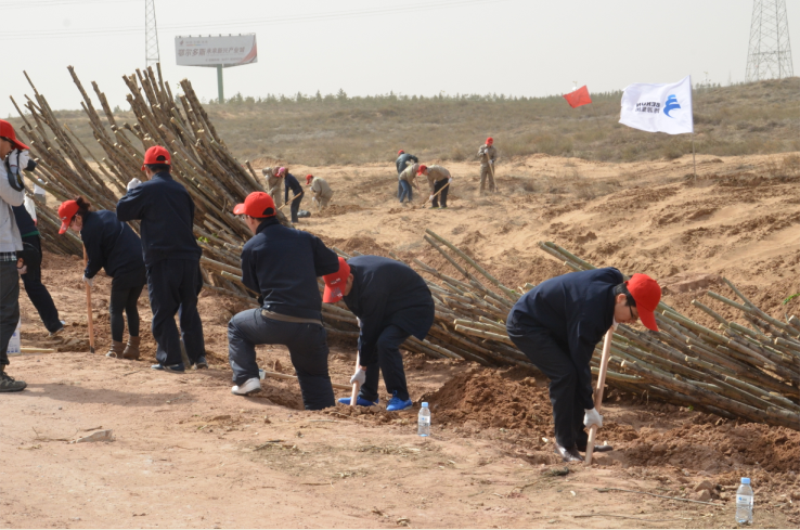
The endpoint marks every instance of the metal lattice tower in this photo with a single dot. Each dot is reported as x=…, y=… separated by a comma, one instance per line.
x=770, y=53
x=151, y=55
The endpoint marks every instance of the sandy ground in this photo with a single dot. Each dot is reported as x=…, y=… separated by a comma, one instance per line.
x=189, y=454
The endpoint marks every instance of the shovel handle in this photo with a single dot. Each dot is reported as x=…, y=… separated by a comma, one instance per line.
x=598, y=393
x=89, y=304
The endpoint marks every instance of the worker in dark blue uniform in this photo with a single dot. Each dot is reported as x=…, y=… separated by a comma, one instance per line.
x=392, y=303
x=282, y=265
x=171, y=257
x=557, y=325
x=111, y=245
x=291, y=183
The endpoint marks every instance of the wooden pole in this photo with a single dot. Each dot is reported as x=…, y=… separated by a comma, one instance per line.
x=694, y=159
x=598, y=393
x=89, y=304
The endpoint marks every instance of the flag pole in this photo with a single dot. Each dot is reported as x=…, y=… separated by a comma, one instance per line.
x=694, y=159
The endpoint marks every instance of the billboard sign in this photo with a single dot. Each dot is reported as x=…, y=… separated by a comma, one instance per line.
x=233, y=50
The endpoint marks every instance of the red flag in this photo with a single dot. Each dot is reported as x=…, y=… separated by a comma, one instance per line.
x=579, y=97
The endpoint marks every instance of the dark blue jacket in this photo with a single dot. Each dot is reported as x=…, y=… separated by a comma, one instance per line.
x=291, y=183
x=167, y=213
x=402, y=161
x=110, y=244
x=24, y=221
x=576, y=310
x=282, y=265
x=387, y=292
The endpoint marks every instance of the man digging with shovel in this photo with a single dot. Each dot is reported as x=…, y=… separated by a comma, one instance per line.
x=392, y=303
x=557, y=325
x=439, y=179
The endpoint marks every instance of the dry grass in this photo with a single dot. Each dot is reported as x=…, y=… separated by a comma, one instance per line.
x=743, y=119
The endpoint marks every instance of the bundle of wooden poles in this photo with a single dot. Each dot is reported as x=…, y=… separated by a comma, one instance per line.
x=200, y=161
x=749, y=370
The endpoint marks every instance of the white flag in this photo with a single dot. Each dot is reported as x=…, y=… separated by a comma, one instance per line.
x=658, y=107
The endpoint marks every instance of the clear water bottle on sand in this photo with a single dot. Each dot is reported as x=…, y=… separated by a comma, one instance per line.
x=424, y=420
x=744, y=503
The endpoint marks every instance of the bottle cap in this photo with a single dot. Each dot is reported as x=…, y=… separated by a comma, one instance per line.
x=745, y=480
x=425, y=406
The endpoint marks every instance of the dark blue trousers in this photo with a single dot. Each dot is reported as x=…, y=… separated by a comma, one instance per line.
x=390, y=362
x=173, y=285
x=307, y=345
x=554, y=362
x=9, y=305
x=38, y=293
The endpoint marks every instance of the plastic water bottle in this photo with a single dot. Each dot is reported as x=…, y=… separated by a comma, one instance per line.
x=424, y=420
x=744, y=502
x=14, y=346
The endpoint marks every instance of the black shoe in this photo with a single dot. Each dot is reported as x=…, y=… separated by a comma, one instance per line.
x=172, y=368
x=61, y=325
x=570, y=455
x=8, y=384
x=597, y=448
x=201, y=363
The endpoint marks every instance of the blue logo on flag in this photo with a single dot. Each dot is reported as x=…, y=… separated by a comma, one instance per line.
x=671, y=104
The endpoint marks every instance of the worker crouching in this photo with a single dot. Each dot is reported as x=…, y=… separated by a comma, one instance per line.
x=322, y=191
x=439, y=180
x=392, y=302
x=557, y=325
x=282, y=265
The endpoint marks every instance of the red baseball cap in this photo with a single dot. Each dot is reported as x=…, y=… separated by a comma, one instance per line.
x=66, y=212
x=258, y=204
x=489, y=141
x=646, y=292
x=309, y=178
x=400, y=152
x=335, y=283
x=156, y=155
x=279, y=172
x=422, y=169
x=7, y=131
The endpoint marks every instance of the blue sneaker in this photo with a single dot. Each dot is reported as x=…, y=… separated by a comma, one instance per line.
x=172, y=368
x=396, y=404
x=361, y=402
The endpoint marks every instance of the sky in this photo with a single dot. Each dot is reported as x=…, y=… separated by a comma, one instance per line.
x=514, y=47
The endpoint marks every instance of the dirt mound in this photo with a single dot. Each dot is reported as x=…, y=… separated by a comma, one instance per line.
x=338, y=209
x=719, y=449
x=493, y=399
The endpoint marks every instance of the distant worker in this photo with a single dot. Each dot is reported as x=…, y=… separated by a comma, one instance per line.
x=321, y=189
x=291, y=183
x=439, y=179
x=274, y=185
x=557, y=325
x=488, y=154
x=404, y=160
x=172, y=258
x=282, y=265
x=113, y=246
x=392, y=303
x=32, y=250
x=407, y=180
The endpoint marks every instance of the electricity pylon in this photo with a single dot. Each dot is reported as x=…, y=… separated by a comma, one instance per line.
x=770, y=54
x=151, y=55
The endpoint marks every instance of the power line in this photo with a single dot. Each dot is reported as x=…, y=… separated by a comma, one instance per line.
x=216, y=26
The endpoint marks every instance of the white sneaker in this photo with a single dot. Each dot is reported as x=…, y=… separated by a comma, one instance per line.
x=251, y=386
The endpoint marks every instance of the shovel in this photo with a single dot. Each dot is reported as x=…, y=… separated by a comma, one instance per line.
x=598, y=393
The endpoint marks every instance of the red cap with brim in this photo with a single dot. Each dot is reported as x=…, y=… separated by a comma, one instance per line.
x=66, y=212
x=7, y=131
x=647, y=294
x=400, y=152
x=309, y=178
x=258, y=205
x=335, y=283
x=422, y=169
x=156, y=155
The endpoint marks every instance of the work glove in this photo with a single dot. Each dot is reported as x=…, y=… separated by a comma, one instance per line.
x=359, y=377
x=88, y=281
x=134, y=183
x=491, y=161
x=592, y=417
x=430, y=199
x=450, y=179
